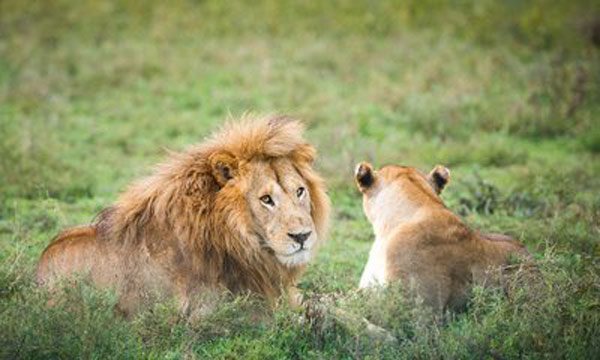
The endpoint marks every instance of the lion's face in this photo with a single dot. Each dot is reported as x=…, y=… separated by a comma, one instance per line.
x=279, y=201
x=267, y=193
x=278, y=211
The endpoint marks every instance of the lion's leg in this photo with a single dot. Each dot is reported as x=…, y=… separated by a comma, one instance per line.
x=317, y=313
x=294, y=297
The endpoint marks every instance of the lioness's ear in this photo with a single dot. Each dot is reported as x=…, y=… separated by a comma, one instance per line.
x=439, y=178
x=364, y=176
x=224, y=167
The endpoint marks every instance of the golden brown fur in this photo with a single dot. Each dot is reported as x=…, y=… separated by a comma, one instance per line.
x=422, y=243
x=201, y=221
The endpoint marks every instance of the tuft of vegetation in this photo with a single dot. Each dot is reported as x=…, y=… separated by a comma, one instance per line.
x=505, y=93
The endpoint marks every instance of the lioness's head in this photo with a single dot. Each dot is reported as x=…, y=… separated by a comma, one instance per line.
x=399, y=190
x=275, y=199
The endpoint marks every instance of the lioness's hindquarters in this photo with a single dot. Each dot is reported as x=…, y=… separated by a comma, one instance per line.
x=419, y=241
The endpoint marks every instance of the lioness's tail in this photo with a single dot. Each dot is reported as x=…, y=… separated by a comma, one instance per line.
x=502, y=246
x=523, y=274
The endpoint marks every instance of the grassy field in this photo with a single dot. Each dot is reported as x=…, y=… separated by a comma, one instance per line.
x=506, y=94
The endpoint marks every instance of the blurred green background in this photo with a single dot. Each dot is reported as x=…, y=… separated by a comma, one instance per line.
x=504, y=93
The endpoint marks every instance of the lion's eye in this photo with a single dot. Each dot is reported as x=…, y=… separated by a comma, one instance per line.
x=267, y=200
x=300, y=191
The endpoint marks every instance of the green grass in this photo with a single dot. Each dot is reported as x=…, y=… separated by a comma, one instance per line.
x=507, y=94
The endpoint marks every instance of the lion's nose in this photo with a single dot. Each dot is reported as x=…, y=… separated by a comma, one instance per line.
x=300, y=238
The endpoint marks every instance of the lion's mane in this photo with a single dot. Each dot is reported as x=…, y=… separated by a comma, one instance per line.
x=181, y=214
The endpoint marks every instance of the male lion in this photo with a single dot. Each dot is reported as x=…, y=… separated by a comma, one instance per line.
x=419, y=241
x=244, y=211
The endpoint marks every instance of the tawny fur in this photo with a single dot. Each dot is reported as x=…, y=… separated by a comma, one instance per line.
x=188, y=228
x=422, y=243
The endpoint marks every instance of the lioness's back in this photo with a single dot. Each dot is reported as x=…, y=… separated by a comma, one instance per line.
x=426, y=245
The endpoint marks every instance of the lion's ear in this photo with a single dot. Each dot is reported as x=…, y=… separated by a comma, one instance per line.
x=364, y=176
x=439, y=178
x=224, y=167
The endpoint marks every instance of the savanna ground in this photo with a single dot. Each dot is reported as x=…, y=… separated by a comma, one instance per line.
x=506, y=94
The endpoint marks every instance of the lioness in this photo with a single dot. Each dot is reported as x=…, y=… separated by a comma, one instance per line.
x=244, y=211
x=422, y=243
